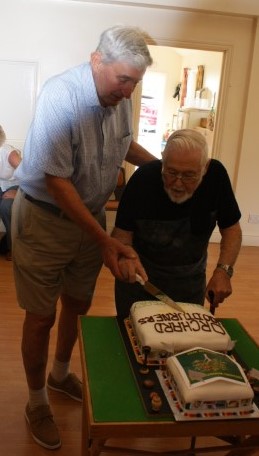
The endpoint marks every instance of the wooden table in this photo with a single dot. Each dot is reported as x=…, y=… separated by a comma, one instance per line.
x=113, y=407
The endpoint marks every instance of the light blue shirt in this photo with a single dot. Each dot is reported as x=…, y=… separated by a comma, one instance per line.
x=73, y=136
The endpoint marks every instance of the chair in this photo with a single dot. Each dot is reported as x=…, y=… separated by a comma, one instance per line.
x=113, y=203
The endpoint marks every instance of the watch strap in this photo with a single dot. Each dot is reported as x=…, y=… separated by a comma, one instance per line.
x=227, y=268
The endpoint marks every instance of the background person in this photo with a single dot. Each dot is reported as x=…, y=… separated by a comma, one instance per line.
x=9, y=160
x=168, y=212
x=79, y=137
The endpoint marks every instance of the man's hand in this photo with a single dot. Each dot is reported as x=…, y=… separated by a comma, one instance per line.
x=130, y=268
x=220, y=285
x=122, y=260
x=9, y=194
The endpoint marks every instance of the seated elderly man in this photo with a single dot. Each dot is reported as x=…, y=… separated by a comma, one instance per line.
x=168, y=212
x=9, y=160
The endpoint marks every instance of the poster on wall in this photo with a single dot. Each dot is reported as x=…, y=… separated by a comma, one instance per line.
x=148, y=115
x=152, y=102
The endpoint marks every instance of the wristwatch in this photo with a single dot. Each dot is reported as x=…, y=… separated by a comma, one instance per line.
x=227, y=268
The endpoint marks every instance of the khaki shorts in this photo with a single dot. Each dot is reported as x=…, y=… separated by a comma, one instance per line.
x=51, y=256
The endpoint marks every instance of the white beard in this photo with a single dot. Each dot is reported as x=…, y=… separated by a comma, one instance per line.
x=178, y=199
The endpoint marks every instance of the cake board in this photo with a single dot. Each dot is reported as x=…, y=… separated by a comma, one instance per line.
x=140, y=378
x=156, y=374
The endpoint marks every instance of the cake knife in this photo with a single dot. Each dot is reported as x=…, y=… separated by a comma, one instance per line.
x=211, y=299
x=160, y=295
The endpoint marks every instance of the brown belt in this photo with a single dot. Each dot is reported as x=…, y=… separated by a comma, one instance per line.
x=47, y=206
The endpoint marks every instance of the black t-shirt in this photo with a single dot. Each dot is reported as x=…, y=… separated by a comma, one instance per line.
x=168, y=233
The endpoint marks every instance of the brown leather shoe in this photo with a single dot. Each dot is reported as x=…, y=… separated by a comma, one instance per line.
x=43, y=428
x=71, y=386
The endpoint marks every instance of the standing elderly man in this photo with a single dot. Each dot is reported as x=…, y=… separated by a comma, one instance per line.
x=168, y=212
x=80, y=134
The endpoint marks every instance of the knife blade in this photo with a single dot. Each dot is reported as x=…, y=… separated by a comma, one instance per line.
x=211, y=299
x=157, y=293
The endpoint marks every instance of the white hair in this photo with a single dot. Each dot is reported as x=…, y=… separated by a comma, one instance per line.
x=125, y=44
x=188, y=140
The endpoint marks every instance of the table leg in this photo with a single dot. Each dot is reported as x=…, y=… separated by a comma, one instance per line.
x=86, y=441
x=193, y=442
x=97, y=446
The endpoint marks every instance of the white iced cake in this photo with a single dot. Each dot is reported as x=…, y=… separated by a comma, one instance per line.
x=162, y=330
x=209, y=380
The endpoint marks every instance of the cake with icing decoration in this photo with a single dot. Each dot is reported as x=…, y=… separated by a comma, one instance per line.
x=163, y=331
x=206, y=381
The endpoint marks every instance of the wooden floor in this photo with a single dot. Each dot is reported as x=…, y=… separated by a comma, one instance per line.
x=15, y=439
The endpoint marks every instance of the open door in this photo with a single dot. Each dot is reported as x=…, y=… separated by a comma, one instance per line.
x=180, y=90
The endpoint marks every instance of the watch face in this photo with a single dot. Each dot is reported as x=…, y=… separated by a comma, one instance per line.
x=226, y=267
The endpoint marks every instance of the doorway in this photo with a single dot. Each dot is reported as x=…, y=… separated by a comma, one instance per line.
x=162, y=109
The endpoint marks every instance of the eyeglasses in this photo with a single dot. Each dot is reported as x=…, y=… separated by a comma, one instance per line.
x=185, y=177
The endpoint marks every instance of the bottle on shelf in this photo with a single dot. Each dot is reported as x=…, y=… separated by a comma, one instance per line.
x=211, y=116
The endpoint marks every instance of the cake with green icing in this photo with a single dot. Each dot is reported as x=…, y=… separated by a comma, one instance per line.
x=206, y=380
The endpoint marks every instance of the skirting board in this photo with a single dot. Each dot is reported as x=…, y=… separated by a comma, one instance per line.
x=247, y=239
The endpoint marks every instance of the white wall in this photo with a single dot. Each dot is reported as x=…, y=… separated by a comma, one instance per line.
x=212, y=62
x=57, y=34
x=247, y=189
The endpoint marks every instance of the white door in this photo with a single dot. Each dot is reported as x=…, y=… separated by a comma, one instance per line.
x=18, y=87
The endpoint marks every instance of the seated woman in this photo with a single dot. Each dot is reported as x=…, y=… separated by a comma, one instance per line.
x=9, y=160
